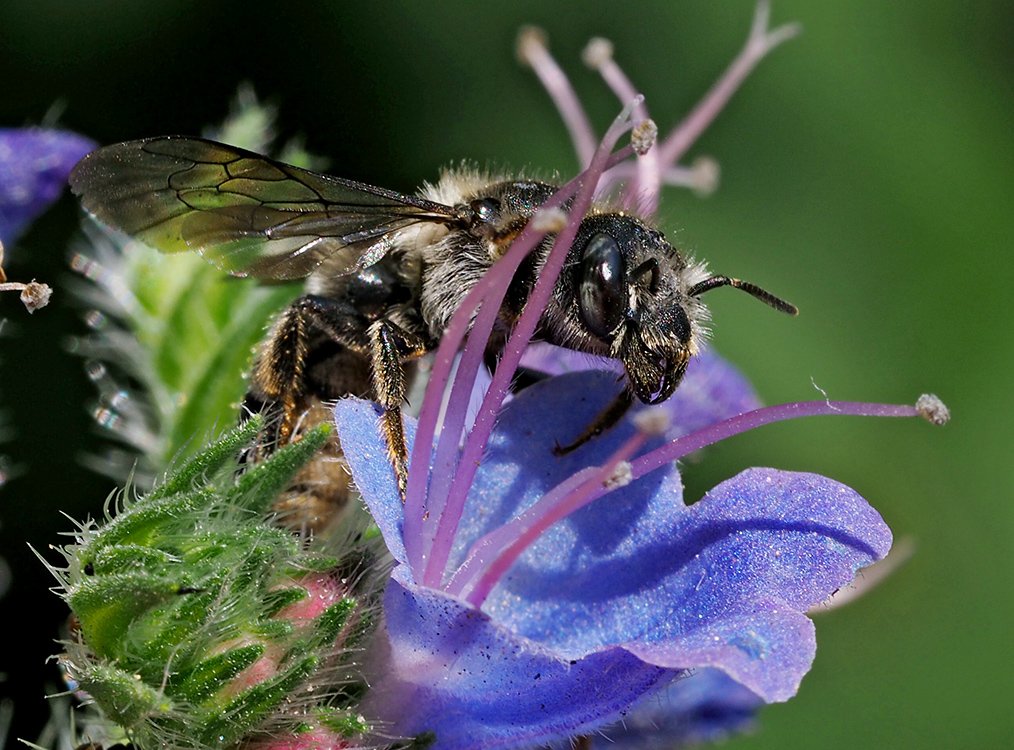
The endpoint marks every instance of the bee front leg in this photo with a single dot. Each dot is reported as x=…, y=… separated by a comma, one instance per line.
x=602, y=422
x=391, y=345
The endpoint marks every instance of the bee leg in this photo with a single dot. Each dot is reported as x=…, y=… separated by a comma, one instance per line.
x=602, y=422
x=279, y=375
x=277, y=379
x=317, y=351
x=392, y=345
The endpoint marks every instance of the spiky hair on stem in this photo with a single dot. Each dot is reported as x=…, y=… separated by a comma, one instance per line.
x=199, y=624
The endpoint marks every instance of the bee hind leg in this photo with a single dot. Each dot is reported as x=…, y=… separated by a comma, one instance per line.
x=317, y=351
x=280, y=373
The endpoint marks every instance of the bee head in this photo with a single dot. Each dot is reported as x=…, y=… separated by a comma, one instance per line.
x=639, y=298
x=628, y=289
x=661, y=329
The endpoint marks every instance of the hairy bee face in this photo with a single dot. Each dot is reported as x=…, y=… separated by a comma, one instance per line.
x=630, y=292
x=655, y=347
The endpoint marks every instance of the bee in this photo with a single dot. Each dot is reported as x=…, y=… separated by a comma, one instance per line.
x=384, y=273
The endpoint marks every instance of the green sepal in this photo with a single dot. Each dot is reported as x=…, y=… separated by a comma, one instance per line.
x=343, y=723
x=144, y=523
x=209, y=675
x=171, y=632
x=122, y=558
x=325, y=629
x=257, y=488
x=331, y=621
x=107, y=605
x=249, y=708
x=202, y=467
x=243, y=547
x=314, y=563
x=279, y=599
x=126, y=699
x=274, y=630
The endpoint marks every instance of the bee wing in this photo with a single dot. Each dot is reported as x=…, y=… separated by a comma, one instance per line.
x=249, y=215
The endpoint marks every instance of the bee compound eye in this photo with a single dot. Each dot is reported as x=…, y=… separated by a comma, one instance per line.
x=601, y=285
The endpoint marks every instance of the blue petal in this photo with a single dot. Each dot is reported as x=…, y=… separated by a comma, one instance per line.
x=449, y=669
x=722, y=584
x=34, y=164
x=358, y=424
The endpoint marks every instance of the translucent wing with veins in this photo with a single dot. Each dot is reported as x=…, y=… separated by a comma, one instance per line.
x=249, y=215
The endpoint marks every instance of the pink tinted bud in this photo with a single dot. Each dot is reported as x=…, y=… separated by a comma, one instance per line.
x=314, y=739
x=323, y=590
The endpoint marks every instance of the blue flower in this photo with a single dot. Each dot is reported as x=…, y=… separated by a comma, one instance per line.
x=609, y=605
x=537, y=598
x=34, y=164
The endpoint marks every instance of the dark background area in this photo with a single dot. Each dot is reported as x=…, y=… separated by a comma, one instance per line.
x=867, y=176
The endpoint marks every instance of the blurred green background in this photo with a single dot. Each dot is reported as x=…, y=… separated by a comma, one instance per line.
x=867, y=177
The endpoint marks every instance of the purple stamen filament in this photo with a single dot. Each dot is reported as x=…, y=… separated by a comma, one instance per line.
x=434, y=499
x=759, y=43
x=451, y=503
x=750, y=420
x=492, y=556
x=487, y=292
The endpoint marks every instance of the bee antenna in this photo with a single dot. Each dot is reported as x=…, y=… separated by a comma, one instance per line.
x=763, y=295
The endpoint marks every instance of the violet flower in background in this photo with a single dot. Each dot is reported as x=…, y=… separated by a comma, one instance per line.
x=34, y=164
x=708, y=706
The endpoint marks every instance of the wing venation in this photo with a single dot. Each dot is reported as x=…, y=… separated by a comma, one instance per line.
x=247, y=214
